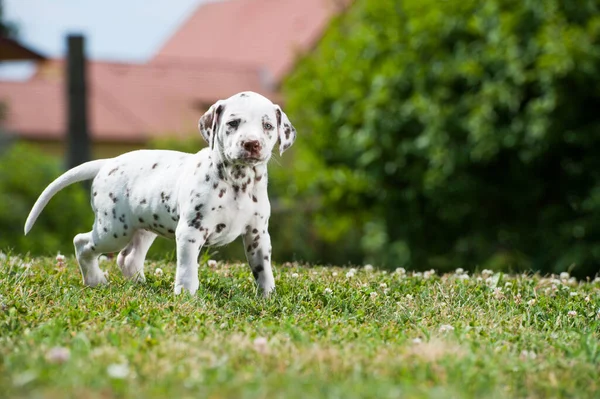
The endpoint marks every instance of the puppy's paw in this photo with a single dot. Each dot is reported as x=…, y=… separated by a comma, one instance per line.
x=189, y=287
x=96, y=279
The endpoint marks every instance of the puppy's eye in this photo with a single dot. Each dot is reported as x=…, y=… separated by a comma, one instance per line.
x=267, y=126
x=234, y=123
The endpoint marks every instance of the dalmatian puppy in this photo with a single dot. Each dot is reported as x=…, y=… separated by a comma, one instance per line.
x=208, y=198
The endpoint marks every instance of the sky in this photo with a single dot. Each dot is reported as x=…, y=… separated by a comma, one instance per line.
x=115, y=30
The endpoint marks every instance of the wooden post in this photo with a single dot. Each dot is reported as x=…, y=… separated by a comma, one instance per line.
x=78, y=141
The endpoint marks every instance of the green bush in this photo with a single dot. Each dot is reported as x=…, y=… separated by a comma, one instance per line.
x=455, y=133
x=24, y=173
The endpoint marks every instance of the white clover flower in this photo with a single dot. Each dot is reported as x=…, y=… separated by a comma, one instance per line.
x=350, y=274
x=463, y=277
x=368, y=268
x=314, y=272
x=508, y=284
x=572, y=280
x=587, y=298
x=364, y=285
x=102, y=258
x=58, y=355
x=352, y=270
x=409, y=297
x=479, y=279
x=572, y=313
x=261, y=344
x=2, y=256
x=596, y=280
x=328, y=291
x=383, y=285
x=564, y=276
x=212, y=263
x=446, y=327
x=294, y=275
x=385, y=291
x=373, y=294
x=401, y=271
x=443, y=304
x=428, y=274
x=118, y=371
x=417, y=341
x=573, y=293
x=486, y=273
x=158, y=272
x=60, y=257
x=525, y=354
x=460, y=270
x=417, y=274
x=334, y=274
x=531, y=302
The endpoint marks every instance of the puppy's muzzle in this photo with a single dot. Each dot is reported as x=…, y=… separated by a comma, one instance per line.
x=252, y=148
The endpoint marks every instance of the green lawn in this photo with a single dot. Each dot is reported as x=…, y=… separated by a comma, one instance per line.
x=327, y=332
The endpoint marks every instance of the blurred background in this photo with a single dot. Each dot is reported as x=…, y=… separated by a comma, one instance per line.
x=431, y=134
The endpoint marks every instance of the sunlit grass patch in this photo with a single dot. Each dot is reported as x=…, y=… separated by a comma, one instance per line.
x=327, y=332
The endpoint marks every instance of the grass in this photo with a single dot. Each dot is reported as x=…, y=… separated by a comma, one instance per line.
x=328, y=332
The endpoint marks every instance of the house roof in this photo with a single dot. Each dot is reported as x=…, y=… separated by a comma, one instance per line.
x=225, y=47
x=267, y=34
x=11, y=50
x=127, y=102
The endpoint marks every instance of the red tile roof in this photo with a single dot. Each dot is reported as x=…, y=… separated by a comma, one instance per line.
x=127, y=102
x=225, y=47
x=264, y=33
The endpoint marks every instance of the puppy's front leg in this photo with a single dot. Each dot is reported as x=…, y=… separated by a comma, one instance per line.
x=189, y=243
x=257, y=244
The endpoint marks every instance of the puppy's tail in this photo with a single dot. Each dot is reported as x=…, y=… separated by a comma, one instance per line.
x=79, y=173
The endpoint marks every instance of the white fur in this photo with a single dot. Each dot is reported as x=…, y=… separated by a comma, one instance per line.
x=207, y=198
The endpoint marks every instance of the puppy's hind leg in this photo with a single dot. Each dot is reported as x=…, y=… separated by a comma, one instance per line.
x=131, y=258
x=88, y=246
x=87, y=257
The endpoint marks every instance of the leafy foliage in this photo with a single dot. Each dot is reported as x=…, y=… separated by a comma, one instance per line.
x=24, y=173
x=455, y=133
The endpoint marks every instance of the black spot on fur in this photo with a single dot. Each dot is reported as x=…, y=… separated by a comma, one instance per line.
x=113, y=171
x=249, y=248
x=199, y=164
x=254, y=198
x=155, y=216
x=95, y=193
x=259, y=268
x=125, y=227
x=215, y=185
x=198, y=207
x=154, y=166
x=105, y=230
x=141, y=220
x=93, y=248
x=222, y=192
x=254, y=244
x=220, y=227
x=142, y=202
x=236, y=189
x=207, y=178
x=266, y=257
x=171, y=231
x=115, y=235
x=192, y=240
x=255, y=231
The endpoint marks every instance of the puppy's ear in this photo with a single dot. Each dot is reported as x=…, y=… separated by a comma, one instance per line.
x=209, y=122
x=285, y=129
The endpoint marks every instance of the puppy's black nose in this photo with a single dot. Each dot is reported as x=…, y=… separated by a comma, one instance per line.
x=251, y=146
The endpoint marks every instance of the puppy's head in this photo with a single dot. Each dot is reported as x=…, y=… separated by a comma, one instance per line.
x=246, y=127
